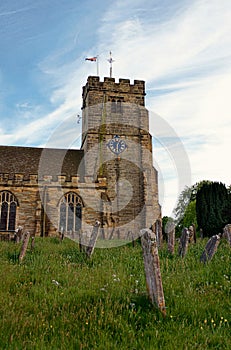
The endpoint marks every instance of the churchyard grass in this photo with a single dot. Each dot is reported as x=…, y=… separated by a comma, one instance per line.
x=58, y=299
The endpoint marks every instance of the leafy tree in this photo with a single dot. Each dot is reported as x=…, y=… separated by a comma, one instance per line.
x=185, y=212
x=183, y=202
x=190, y=216
x=212, y=207
x=187, y=196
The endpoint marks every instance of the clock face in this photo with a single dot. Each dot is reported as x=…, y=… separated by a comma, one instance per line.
x=116, y=145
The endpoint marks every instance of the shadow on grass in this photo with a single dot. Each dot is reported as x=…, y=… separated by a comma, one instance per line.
x=13, y=257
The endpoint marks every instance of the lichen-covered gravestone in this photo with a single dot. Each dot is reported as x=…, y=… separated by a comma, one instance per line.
x=171, y=237
x=210, y=248
x=93, y=239
x=18, y=234
x=152, y=269
x=192, y=234
x=24, y=246
x=183, y=244
x=227, y=233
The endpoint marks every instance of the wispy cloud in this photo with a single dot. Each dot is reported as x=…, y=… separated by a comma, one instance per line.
x=182, y=49
x=14, y=11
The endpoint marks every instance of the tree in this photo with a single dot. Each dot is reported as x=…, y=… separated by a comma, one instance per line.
x=190, y=216
x=212, y=207
x=185, y=212
x=183, y=202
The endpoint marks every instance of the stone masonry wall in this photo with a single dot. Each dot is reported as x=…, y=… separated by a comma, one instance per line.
x=132, y=180
x=38, y=202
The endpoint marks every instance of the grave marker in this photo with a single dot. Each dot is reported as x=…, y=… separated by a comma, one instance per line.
x=152, y=269
x=210, y=248
x=24, y=246
x=227, y=233
x=171, y=237
x=93, y=239
x=183, y=244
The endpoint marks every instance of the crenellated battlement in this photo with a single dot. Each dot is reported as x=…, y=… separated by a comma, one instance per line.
x=32, y=180
x=108, y=83
x=124, y=89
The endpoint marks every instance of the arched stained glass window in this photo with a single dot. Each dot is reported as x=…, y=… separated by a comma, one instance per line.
x=70, y=213
x=8, y=207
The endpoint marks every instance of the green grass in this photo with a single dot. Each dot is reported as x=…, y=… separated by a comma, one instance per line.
x=102, y=303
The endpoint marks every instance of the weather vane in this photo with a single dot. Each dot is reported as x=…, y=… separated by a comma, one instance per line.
x=110, y=60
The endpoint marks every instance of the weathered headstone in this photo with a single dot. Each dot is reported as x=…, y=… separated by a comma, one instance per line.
x=18, y=234
x=80, y=241
x=92, y=242
x=183, y=244
x=61, y=234
x=152, y=269
x=210, y=248
x=32, y=244
x=171, y=237
x=192, y=234
x=157, y=229
x=24, y=246
x=171, y=241
x=227, y=233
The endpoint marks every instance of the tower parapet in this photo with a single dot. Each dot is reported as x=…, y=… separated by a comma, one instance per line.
x=123, y=90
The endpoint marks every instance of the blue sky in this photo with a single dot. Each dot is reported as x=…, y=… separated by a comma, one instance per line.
x=182, y=49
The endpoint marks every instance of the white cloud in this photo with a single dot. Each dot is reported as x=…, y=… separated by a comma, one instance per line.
x=187, y=52
x=190, y=53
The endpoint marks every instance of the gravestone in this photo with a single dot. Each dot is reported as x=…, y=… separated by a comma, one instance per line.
x=192, y=234
x=92, y=242
x=24, y=246
x=152, y=269
x=171, y=237
x=32, y=243
x=18, y=234
x=210, y=248
x=183, y=244
x=227, y=233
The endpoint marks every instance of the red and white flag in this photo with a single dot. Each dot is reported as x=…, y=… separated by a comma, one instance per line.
x=92, y=59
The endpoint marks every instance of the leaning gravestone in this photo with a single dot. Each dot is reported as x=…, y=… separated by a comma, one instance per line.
x=192, y=234
x=210, y=248
x=183, y=244
x=24, y=246
x=171, y=237
x=32, y=244
x=92, y=242
x=227, y=233
x=18, y=234
x=152, y=269
x=157, y=229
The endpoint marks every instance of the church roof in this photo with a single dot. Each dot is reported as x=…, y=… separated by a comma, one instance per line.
x=41, y=161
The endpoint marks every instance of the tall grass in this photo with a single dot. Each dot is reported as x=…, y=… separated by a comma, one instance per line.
x=57, y=299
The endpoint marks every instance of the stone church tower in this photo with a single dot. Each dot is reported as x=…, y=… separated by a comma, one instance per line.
x=118, y=150
x=111, y=179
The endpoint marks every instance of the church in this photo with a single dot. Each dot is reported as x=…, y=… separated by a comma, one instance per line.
x=110, y=179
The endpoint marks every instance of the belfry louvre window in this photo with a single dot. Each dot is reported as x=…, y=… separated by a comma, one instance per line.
x=8, y=207
x=116, y=106
x=70, y=213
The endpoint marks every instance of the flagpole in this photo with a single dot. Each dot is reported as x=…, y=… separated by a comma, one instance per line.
x=97, y=65
x=94, y=59
x=110, y=60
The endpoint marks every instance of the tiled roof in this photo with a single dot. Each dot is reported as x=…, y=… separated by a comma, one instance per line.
x=41, y=161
